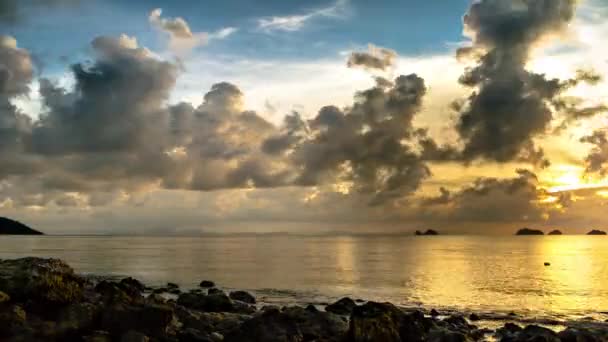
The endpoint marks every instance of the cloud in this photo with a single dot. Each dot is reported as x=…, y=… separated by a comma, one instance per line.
x=376, y=58
x=14, y=11
x=510, y=105
x=597, y=159
x=181, y=37
x=296, y=22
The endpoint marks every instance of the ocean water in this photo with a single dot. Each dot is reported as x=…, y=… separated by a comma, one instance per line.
x=467, y=273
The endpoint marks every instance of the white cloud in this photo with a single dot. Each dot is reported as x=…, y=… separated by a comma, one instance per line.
x=296, y=22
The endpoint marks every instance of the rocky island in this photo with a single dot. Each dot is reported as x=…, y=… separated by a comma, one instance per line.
x=528, y=231
x=11, y=227
x=555, y=232
x=596, y=232
x=430, y=232
x=45, y=300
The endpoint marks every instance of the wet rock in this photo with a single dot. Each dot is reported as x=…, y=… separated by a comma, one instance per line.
x=175, y=291
x=12, y=319
x=134, y=336
x=291, y=324
x=209, y=322
x=132, y=284
x=46, y=282
x=531, y=333
x=122, y=292
x=242, y=296
x=4, y=298
x=160, y=290
x=207, y=284
x=155, y=298
x=385, y=322
x=434, y=313
x=474, y=317
x=578, y=335
x=77, y=318
x=152, y=320
x=442, y=335
x=311, y=308
x=343, y=306
x=98, y=336
x=208, y=303
x=172, y=286
x=215, y=290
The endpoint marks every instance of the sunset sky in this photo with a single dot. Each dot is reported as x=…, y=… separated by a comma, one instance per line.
x=181, y=117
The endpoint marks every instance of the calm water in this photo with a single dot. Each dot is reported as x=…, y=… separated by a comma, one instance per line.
x=500, y=274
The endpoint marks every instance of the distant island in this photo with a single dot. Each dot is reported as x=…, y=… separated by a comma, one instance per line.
x=528, y=231
x=596, y=232
x=555, y=232
x=11, y=227
x=428, y=232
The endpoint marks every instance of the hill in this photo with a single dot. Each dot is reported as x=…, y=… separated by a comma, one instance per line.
x=10, y=227
x=528, y=231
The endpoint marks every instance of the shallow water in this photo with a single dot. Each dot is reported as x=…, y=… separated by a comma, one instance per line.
x=470, y=273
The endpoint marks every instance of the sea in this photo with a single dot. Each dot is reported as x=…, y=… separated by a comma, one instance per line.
x=540, y=278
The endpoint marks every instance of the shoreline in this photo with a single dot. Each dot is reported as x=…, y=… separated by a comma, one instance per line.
x=44, y=299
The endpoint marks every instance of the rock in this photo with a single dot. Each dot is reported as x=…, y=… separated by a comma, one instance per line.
x=531, y=333
x=208, y=303
x=155, y=298
x=172, y=286
x=442, y=335
x=311, y=308
x=209, y=322
x=193, y=335
x=206, y=284
x=385, y=322
x=4, y=298
x=596, y=232
x=175, y=291
x=214, y=290
x=134, y=336
x=547, y=264
x=77, y=318
x=555, y=232
x=430, y=232
x=576, y=335
x=528, y=231
x=12, y=318
x=359, y=300
x=133, y=284
x=474, y=317
x=122, y=292
x=47, y=283
x=291, y=324
x=434, y=313
x=343, y=306
x=242, y=296
x=152, y=320
x=98, y=336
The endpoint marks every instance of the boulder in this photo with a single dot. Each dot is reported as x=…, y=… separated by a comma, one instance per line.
x=208, y=303
x=531, y=333
x=577, y=335
x=77, y=318
x=242, y=296
x=132, y=284
x=122, y=292
x=47, y=283
x=207, y=284
x=12, y=319
x=152, y=320
x=343, y=306
x=291, y=324
x=385, y=322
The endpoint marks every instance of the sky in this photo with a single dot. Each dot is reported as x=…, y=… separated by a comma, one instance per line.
x=186, y=117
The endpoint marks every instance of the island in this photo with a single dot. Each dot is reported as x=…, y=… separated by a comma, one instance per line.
x=555, y=232
x=596, y=232
x=528, y=231
x=11, y=227
x=428, y=232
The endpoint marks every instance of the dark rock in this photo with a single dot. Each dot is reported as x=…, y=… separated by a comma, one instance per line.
x=596, y=232
x=242, y=296
x=343, y=306
x=193, y=335
x=359, y=300
x=385, y=322
x=291, y=324
x=160, y=290
x=155, y=298
x=215, y=290
x=45, y=282
x=152, y=320
x=77, y=318
x=134, y=336
x=528, y=231
x=133, y=284
x=12, y=319
x=98, y=336
x=175, y=291
x=122, y=292
x=536, y=333
x=474, y=317
x=311, y=308
x=576, y=335
x=208, y=303
x=172, y=286
x=547, y=264
x=207, y=284
x=555, y=232
x=442, y=335
x=430, y=232
x=434, y=313
x=11, y=227
x=4, y=298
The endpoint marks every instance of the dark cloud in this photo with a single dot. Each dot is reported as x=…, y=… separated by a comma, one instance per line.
x=490, y=200
x=510, y=105
x=367, y=147
x=597, y=160
x=376, y=58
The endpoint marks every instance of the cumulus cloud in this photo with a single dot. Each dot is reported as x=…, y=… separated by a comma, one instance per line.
x=181, y=37
x=510, y=105
x=298, y=21
x=375, y=58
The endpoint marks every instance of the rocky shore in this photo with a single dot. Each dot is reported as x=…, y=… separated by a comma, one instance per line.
x=44, y=300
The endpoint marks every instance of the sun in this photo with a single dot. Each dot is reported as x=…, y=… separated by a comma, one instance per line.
x=570, y=178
